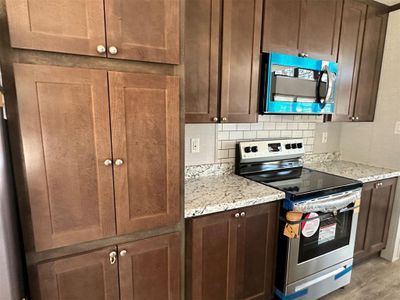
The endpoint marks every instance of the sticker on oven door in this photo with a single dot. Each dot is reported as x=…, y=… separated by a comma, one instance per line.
x=309, y=228
x=327, y=233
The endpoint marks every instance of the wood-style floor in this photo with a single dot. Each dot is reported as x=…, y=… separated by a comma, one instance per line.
x=374, y=279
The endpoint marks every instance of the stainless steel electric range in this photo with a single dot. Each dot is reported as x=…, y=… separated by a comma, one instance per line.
x=320, y=259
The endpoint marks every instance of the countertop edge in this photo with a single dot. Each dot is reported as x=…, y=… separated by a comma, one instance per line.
x=191, y=213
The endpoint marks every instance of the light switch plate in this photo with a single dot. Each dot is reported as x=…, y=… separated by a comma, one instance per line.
x=195, y=145
x=397, y=128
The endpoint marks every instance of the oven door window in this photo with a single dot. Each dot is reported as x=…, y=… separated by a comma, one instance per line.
x=333, y=233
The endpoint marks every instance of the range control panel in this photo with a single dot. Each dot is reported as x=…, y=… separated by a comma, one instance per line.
x=270, y=149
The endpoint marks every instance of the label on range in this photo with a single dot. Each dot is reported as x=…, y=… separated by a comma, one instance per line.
x=327, y=233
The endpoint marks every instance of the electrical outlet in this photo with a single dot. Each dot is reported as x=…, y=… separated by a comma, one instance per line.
x=324, y=137
x=195, y=145
x=397, y=128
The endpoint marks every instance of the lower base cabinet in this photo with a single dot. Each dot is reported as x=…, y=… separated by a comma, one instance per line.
x=145, y=269
x=374, y=218
x=231, y=255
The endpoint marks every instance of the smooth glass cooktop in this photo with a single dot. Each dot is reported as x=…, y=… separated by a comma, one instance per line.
x=303, y=182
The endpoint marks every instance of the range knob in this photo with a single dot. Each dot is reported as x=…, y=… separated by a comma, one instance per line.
x=294, y=146
x=254, y=149
x=288, y=146
x=247, y=149
x=299, y=145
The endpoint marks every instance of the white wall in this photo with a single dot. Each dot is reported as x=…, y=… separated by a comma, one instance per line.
x=375, y=143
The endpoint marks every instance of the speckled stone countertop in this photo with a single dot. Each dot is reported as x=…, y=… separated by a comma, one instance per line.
x=211, y=194
x=353, y=170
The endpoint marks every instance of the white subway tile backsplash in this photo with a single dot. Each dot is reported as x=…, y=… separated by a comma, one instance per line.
x=256, y=126
x=262, y=134
x=229, y=127
x=243, y=126
x=268, y=126
x=248, y=135
x=281, y=126
x=223, y=135
x=235, y=135
x=275, y=134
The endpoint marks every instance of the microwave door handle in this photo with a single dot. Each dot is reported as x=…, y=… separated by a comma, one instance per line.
x=329, y=86
x=329, y=89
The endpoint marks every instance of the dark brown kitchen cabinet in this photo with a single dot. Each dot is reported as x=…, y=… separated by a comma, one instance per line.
x=150, y=269
x=138, y=30
x=360, y=60
x=374, y=218
x=146, y=140
x=64, y=120
x=144, y=30
x=79, y=277
x=370, y=63
x=144, y=269
x=75, y=176
x=231, y=255
x=222, y=50
x=302, y=27
x=351, y=40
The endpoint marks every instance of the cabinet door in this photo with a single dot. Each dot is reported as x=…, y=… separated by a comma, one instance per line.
x=380, y=215
x=65, y=129
x=150, y=269
x=202, y=40
x=242, y=21
x=320, y=28
x=350, y=47
x=146, y=140
x=365, y=205
x=257, y=252
x=211, y=256
x=281, y=26
x=371, y=62
x=58, y=25
x=144, y=30
x=80, y=277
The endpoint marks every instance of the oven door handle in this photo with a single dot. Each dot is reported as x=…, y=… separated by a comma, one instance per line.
x=321, y=217
x=329, y=204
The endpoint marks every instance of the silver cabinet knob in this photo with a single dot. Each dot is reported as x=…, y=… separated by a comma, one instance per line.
x=357, y=118
x=352, y=118
x=108, y=162
x=303, y=54
x=242, y=214
x=119, y=162
x=237, y=215
x=113, y=50
x=378, y=185
x=113, y=257
x=101, y=49
x=215, y=119
x=224, y=119
x=123, y=253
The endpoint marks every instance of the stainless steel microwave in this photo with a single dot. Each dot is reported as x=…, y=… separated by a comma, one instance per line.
x=297, y=85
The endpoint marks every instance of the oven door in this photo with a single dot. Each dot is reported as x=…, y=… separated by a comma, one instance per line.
x=332, y=243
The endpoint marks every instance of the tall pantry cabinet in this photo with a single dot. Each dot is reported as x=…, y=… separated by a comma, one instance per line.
x=99, y=141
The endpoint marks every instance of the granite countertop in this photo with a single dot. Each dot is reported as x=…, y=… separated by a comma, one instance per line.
x=211, y=194
x=353, y=170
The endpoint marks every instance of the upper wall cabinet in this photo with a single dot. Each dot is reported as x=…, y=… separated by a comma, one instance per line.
x=222, y=49
x=130, y=29
x=303, y=27
x=360, y=60
x=81, y=186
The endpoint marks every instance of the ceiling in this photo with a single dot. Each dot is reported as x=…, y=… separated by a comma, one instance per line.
x=389, y=2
